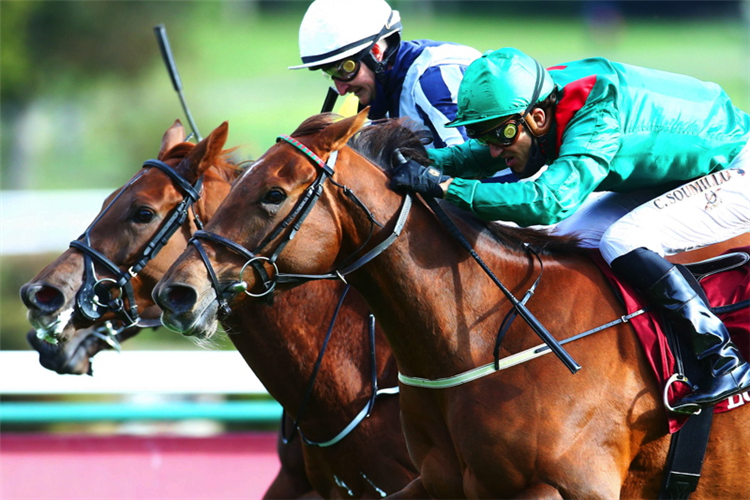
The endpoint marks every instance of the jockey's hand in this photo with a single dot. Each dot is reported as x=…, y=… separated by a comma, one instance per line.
x=411, y=177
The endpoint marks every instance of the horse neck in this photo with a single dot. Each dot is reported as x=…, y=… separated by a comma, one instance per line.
x=282, y=353
x=433, y=300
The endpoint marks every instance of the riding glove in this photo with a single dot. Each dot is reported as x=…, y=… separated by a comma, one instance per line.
x=410, y=176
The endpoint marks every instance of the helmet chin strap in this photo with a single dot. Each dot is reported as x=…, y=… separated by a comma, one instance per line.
x=536, y=160
x=537, y=150
x=392, y=43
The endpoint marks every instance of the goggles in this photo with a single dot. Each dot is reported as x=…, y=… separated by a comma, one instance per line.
x=503, y=135
x=343, y=71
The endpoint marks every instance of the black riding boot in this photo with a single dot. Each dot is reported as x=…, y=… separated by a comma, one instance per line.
x=663, y=284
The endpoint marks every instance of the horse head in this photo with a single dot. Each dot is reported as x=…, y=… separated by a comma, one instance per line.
x=129, y=232
x=262, y=219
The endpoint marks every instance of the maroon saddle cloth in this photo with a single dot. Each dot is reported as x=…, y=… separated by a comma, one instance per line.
x=722, y=289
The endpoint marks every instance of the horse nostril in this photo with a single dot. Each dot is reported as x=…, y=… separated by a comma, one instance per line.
x=43, y=297
x=46, y=295
x=179, y=298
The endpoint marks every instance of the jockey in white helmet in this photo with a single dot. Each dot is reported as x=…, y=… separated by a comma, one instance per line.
x=358, y=45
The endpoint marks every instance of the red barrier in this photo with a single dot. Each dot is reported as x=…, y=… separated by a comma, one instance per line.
x=36, y=466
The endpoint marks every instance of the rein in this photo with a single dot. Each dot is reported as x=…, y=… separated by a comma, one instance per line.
x=519, y=306
x=95, y=296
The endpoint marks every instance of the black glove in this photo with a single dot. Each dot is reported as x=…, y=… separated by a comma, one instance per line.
x=410, y=176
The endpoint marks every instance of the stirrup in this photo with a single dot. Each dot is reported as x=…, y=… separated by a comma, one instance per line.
x=687, y=409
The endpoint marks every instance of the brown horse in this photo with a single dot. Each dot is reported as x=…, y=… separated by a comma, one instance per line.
x=371, y=461
x=532, y=431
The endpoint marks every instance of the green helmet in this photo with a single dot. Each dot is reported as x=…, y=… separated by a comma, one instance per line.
x=500, y=83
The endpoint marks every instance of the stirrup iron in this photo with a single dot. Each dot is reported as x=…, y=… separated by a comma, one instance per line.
x=688, y=409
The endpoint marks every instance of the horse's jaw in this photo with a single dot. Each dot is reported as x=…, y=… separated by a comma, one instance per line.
x=72, y=357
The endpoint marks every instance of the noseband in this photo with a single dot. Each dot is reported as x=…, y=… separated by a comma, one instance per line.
x=295, y=218
x=95, y=297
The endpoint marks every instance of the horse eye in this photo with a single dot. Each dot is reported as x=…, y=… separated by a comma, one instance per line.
x=274, y=196
x=143, y=215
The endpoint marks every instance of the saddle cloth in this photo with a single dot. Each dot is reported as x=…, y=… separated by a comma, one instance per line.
x=724, y=288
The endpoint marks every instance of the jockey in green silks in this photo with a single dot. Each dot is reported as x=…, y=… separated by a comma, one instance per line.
x=671, y=151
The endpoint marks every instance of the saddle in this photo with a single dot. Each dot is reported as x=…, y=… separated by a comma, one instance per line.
x=725, y=280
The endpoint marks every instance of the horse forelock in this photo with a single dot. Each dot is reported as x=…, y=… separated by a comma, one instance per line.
x=378, y=140
x=315, y=124
x=224, y=165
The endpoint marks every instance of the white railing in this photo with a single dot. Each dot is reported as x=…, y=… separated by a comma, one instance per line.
x=135, y=375
x=46, y=221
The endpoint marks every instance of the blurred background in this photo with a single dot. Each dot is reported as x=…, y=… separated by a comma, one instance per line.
x=85, y=97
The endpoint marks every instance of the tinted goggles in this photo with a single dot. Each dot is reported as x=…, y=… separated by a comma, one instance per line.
x=343, y=71
x=503, y=135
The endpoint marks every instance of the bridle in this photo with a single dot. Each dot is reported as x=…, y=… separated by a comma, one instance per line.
x=295, y=218
x=95, y=297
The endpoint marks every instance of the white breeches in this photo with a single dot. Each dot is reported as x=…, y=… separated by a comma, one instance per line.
x=701, y=212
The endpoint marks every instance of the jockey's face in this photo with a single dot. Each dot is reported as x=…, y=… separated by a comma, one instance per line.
x=517, y=154
x=362, y=85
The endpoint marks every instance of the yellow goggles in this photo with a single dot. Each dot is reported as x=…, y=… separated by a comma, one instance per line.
x=343, y=71
x=502, y=135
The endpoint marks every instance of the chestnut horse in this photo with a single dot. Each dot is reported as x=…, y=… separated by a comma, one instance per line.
x=532, y=431
x=370, y=462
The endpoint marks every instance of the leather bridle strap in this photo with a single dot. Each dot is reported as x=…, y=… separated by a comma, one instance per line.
x=268, y=284
x=87, y=302
x=375, y=392
x=296, y=217
x=364, y=259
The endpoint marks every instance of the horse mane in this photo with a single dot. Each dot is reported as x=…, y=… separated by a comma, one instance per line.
x=315, y=124
x=225, y=166
x=381, y=138
x=378, y=142
x=517, y=238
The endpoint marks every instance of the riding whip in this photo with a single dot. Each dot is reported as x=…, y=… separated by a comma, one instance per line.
x=166, y=53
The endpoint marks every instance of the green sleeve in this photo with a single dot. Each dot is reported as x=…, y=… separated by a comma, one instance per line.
x=468, y=160
x=552, y=197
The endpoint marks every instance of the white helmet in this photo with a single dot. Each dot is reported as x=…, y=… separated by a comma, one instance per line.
x=334, y=29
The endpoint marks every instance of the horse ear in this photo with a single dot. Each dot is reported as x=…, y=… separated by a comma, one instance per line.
x=172, y=137
x=337, y=134
x=204, y=154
